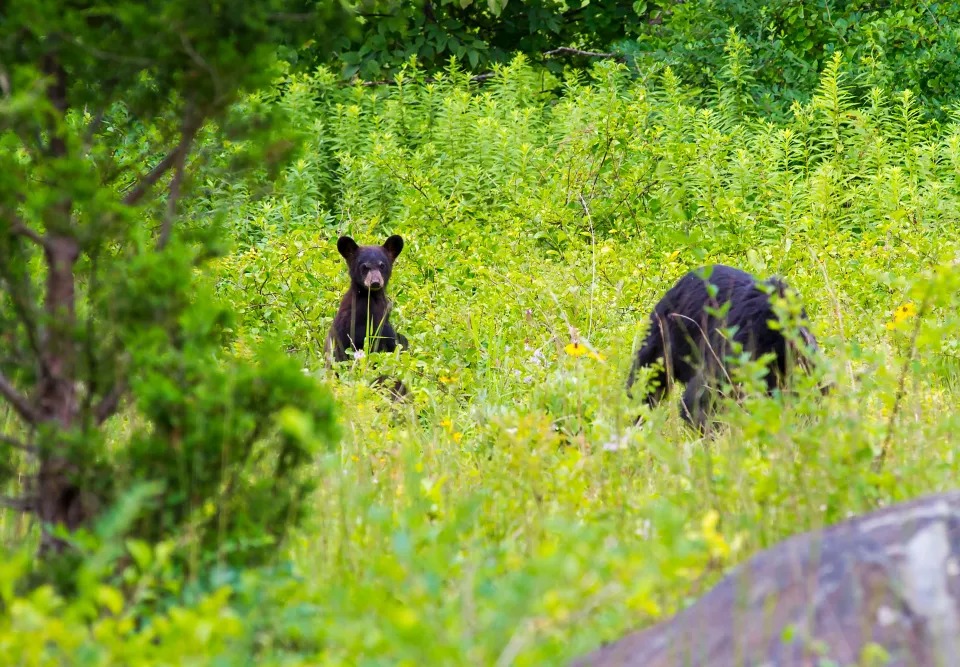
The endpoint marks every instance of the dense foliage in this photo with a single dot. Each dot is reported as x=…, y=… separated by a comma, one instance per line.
x=509, y=514
x=785, y=44
x=895, y=45
x=479, y=34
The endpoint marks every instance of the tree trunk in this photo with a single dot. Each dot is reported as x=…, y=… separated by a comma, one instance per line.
x=58, y=496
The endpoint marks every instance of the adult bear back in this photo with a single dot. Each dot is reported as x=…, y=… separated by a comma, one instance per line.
x=686, y=336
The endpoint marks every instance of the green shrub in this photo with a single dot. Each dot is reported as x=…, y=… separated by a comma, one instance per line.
x=108, y=116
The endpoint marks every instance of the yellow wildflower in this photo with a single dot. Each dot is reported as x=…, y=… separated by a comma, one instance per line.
x=446, y=379
x=579, y=350
x=902, y=314
x=446, y=423
x=717, y=544
x=905, y=311
x=457, y=437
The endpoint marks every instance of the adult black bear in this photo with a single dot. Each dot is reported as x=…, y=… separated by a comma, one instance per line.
x=685, y=337
x=363, y=320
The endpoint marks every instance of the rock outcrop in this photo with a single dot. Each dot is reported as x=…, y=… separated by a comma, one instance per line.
x=885, y=583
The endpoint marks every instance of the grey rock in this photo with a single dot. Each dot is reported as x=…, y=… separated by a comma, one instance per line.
x=889, y=579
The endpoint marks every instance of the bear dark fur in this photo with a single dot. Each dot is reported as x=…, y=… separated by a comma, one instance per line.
x=366, y=303
x=687, y=342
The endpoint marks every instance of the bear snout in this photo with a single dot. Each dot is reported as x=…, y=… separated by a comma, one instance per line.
x=373, y=280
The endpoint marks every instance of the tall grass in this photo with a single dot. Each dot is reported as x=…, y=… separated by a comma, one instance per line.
x=510, y=513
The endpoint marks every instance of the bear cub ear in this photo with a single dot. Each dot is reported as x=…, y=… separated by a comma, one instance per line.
x=347, y=247
x=393, y=246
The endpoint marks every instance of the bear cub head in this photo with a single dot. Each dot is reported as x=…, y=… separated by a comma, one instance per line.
x=370, y=265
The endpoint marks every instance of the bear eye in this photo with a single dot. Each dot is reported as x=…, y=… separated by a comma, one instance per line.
x=364, y=268
x=382, y=265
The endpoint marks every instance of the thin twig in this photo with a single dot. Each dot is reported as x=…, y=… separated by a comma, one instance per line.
x=593, y=261
x=92, y=361
x=167, y=227
x=416, y=186
x=277, y=266
x=18, y=401
x=109, y=57
x=291, y=16
x=202, y=64
x=703, y=335
x=901, y=386
x=837, y=309
x=477, y=78
x=525, y=633
x=933, y=15
x=93, y=126
x=20, y=293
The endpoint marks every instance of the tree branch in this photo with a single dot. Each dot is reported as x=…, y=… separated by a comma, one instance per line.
x=173, y=159
x=19, y=228
x=18, y=504
x=202, y=64
x=22, y=230
x=18, y=401
x=107, y=406
x=16, y=444
x=57, y=94
x=189, y=131
x=149, y=179
x=20, y=290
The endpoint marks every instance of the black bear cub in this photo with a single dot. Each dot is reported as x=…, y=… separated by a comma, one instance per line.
x=685, y=337
x=363, y=320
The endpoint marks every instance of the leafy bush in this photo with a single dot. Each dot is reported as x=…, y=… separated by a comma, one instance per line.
x=101, y=108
